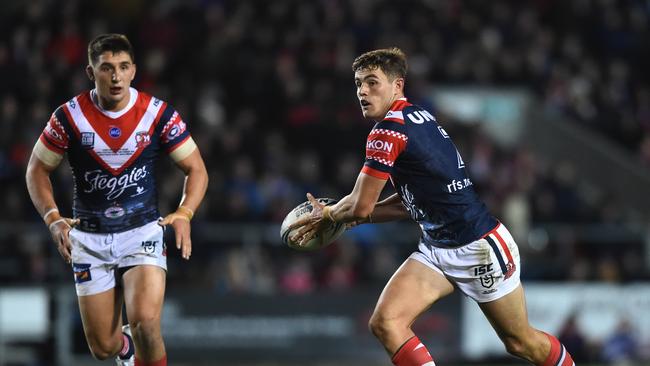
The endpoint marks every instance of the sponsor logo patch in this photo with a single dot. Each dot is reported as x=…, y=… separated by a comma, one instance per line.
x=113, y=187
x=149, y=246
x=483, y=269
x=420, y=117
x=87, y=140
x=81, y=272
x=114, y=212
x=114, y=132
x=380, y=146
x=173, y=132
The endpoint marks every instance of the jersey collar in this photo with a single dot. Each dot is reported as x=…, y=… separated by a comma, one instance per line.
x=133, y=96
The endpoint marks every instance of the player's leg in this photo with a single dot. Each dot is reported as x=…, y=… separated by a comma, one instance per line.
x=505, y=308
x=413, y=289
x=144, y=291
x=509, y=318
x=100, y=302
x=101, y=315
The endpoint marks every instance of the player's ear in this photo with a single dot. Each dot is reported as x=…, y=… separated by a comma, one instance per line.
x=399, y=85
x=89, y=73
x=134, y=70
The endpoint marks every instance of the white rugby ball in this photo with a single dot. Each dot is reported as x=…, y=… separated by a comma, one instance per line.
x=321, y=239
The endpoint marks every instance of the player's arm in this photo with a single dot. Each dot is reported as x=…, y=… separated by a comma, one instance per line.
x=41, y=164
x=196, y=180
x=359, y=206
x=360, y=203
x=189, y=160
x=353, y=208
x=389, y=209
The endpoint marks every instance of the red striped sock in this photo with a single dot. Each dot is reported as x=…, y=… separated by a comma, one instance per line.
x=558, y=356
x=413, y=353
x=161, y=362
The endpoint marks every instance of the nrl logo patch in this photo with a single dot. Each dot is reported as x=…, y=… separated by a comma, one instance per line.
x=487, y=281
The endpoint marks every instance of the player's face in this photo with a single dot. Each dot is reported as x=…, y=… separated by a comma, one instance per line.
x=376, y=92
x=112, y=74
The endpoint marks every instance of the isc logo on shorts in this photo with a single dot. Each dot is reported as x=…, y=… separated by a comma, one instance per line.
x=149, y=246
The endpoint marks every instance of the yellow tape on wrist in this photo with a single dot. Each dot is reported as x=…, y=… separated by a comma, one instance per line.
x=327, y=213
x=47, y=215
x=62, y=219
x=186, y=212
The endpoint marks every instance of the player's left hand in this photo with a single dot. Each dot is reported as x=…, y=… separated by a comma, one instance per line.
x=180, y=221
x=309, y=225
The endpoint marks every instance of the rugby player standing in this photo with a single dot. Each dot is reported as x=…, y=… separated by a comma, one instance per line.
x=113, y=136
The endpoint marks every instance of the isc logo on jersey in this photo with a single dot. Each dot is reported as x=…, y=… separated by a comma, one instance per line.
x=380, y=146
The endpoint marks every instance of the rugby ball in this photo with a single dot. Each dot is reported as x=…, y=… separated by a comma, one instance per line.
x=321, y=239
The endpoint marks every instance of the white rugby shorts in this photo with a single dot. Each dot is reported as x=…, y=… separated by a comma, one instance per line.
x=97, y=257
x=485, y=270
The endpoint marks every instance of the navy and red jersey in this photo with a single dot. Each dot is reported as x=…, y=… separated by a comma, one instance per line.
x=112, y=156
x=417, y=155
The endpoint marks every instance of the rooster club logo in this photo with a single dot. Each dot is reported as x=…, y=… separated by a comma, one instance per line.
x=142, y=139
x=114, y=132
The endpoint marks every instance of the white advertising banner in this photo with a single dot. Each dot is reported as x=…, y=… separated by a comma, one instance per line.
x=598, y=309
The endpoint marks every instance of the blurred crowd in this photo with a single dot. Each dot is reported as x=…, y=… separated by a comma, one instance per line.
x=267, y=91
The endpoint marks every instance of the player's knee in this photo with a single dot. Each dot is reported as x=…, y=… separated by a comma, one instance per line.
x=515, y=346
x=103, y=349
x=381, y=326
x=145, y=327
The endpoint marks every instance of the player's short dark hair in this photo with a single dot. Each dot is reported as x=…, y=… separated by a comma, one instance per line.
x=111, y=42
x=392, y=61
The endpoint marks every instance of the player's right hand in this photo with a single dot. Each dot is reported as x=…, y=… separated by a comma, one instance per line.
x=60, y=230
x=309, y=225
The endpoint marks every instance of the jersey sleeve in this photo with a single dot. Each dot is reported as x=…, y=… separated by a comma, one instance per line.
x=175, y=137
x=386, y=141
x=54, y=140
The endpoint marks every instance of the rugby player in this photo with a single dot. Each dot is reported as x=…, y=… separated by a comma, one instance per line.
x=112, y=136
x=462, y=245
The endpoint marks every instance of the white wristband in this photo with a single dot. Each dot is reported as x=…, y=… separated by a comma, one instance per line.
x=49, y=212
x=56, y=222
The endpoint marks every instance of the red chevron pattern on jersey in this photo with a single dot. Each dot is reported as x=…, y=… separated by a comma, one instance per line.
x=54, y=136
x=116, y=142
